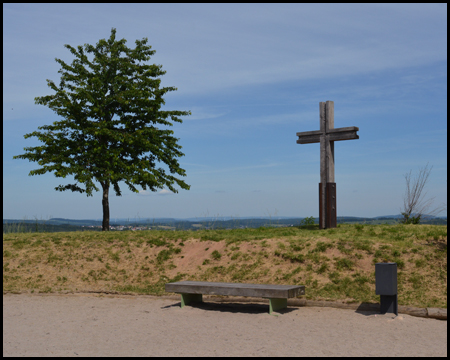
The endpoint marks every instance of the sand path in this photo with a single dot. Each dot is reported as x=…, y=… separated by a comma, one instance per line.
x=93, y=325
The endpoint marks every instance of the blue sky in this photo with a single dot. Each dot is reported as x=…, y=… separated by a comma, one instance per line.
x=253, y=76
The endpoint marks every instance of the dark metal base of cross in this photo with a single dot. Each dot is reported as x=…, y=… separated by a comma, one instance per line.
x=330, y=207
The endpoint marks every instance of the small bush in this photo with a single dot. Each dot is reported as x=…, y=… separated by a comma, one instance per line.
x=177, y=250
x=416, y=281
x=378, y=254
x=52, y=258
x=400, y=263
x=361, y=280
x=156, y=242
x=307, y=222
x=216, y=255
x=321, y=246
x=396, y=253
x=295, y=247
x=322, y=268
x=235, y=255
x=115, y=256
x=290, y=256
x=344, y=264
x=335, y=277
x=365, y=245
x=420, y=263
x=163, y=255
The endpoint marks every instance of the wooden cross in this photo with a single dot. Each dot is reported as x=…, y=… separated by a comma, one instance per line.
x=326, y=136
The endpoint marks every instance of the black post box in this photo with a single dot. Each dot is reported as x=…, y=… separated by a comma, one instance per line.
x=386, y=287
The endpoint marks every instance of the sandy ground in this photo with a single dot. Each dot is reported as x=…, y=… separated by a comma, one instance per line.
x=93, y=325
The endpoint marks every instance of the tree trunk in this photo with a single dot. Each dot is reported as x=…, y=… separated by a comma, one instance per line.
x=105, y=203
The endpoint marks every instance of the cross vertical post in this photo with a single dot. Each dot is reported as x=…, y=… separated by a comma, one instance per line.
x=326, y=136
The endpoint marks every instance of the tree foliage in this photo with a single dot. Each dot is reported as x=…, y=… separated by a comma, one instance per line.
x=110, y=103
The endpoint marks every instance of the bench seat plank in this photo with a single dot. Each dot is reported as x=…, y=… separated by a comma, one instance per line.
x=236, y=289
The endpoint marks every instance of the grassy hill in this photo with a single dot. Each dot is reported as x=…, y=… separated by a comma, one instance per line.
x=333, y=264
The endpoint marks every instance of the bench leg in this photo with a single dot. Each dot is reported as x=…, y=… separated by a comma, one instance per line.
x=186, y=299
x=277, y=304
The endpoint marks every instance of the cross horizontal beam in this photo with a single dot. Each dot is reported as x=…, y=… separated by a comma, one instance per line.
x=344, y=133
x=326, y=136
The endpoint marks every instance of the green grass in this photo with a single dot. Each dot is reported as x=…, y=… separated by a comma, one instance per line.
x=333, y=264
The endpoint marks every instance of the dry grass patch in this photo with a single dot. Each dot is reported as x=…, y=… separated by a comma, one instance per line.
x=333, y=264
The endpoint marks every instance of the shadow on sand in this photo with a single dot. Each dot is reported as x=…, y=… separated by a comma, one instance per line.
x=368, y=309
x=230, y=307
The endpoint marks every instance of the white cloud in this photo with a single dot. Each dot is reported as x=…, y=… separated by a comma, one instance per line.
x=270, y=46
x=252, y=75
x=148, y=192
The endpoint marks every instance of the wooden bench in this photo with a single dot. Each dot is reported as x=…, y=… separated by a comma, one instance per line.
x=191, y=291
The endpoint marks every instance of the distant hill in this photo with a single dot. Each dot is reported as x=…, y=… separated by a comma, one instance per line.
x=60, y=224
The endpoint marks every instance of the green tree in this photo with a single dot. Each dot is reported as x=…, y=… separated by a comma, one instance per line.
x=110, y=108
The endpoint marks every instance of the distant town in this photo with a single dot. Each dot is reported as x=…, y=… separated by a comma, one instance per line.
x=119, y=227
x=58, y=224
